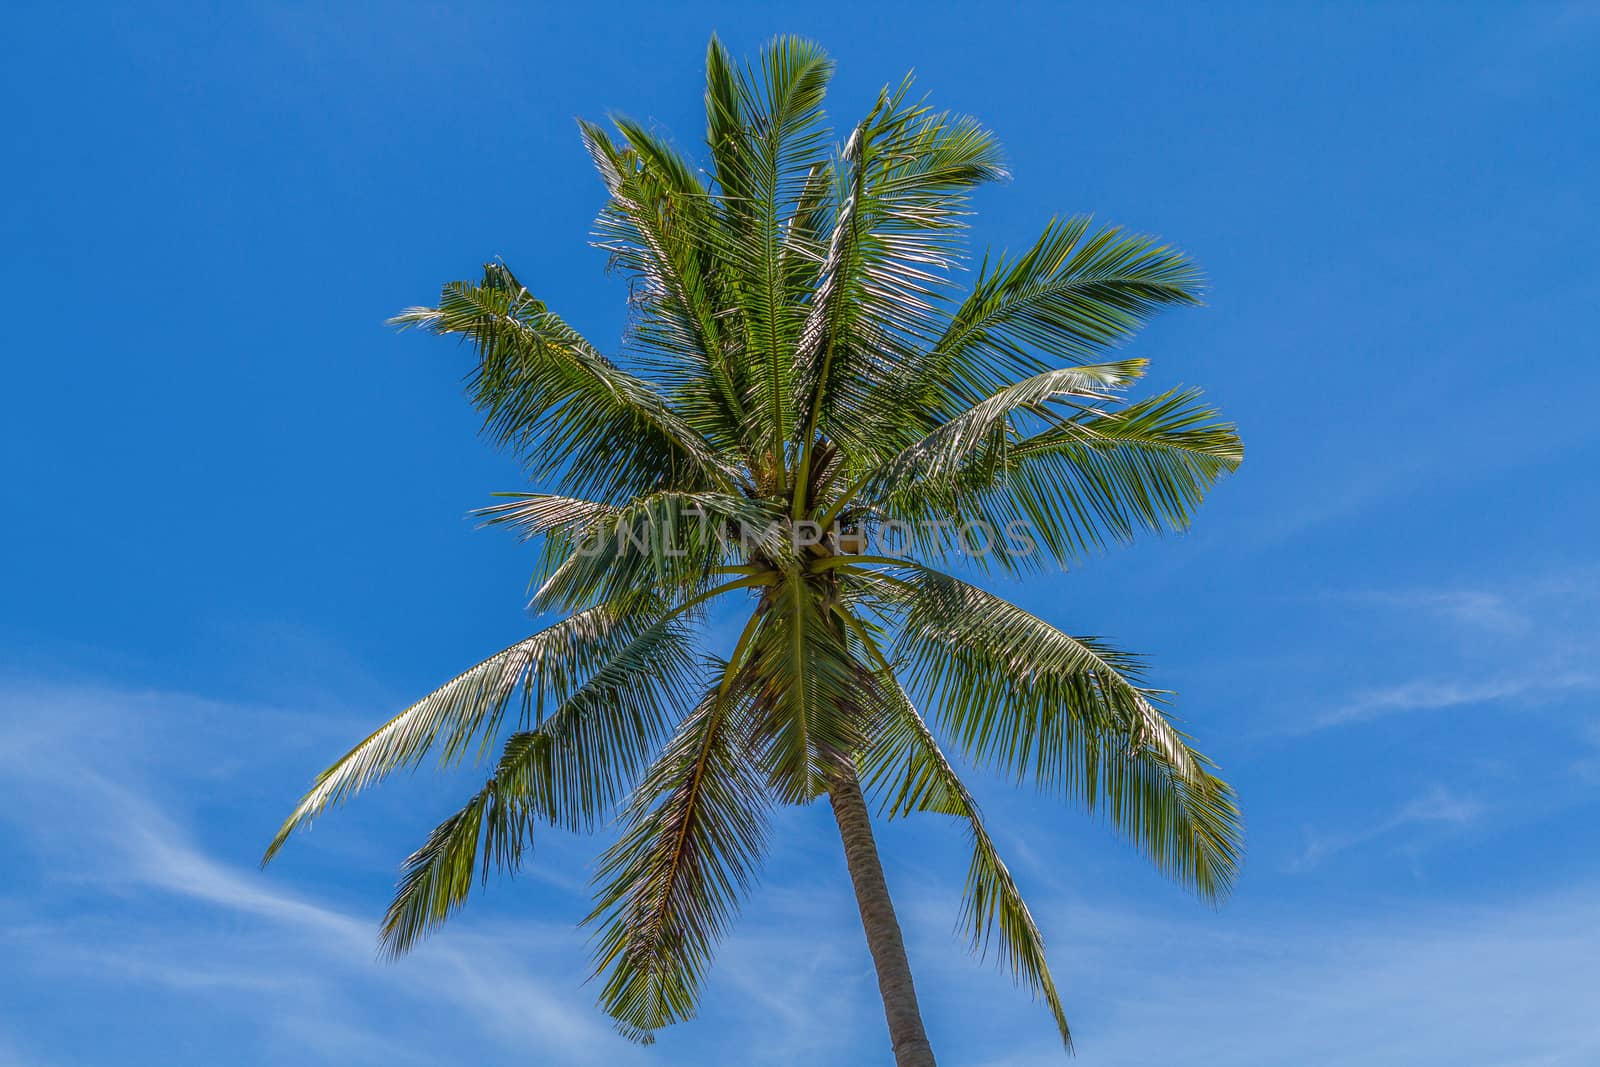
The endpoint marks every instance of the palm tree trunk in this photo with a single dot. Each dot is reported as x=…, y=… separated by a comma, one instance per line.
x=911, y=1048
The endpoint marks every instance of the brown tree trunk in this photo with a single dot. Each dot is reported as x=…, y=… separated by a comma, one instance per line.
x=911, y=1048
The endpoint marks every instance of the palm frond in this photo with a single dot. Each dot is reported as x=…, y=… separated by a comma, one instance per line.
x=490, y=832
x=767, y=133
x=1071, y=296
x=813, y=702
x=661, y=225
x=979, y=438
x=1068, y=714
x=542, y=671
x=568, y=770
x=694, y=835
x=906, y=765
x=1098, y=474
x=904, y=194
x=1147, y=466
x=549, y=395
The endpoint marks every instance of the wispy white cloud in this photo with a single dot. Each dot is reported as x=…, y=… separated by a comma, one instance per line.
x=1526, y=642
x=1476, y=608
x=1433, y=695
x=1437, y=807
x=279, y=955
x=1515, y=607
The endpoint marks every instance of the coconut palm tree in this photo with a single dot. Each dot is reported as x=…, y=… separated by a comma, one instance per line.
x=809, y=424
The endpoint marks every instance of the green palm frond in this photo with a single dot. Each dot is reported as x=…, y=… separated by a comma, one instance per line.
x=550, y=395
x=906, y=764
x=694, y=835
x=805, y=235
x=1097, y=474
x=1071, y=296
x=661, y=226
x=554, y=669
x=767, y=133
x=566, y=771
x=490, y=832
x=537, y=673
x=1068, y=714
x=992, y=905
x=902, y=186
x=978, y=439
x=602, y=736
x=1146, y=467
x=813, y=703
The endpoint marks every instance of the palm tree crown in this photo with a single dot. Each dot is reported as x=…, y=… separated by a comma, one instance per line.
x=811, y=418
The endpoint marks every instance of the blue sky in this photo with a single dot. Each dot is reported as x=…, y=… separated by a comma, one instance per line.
x=234, y=529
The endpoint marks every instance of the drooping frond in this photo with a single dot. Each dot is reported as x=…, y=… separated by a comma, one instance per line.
x=568, y=770
x=603, y=736
x=490, y=832
x=543, y=672
x=1067, y=713
x=694, y=834
x=906, y=763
